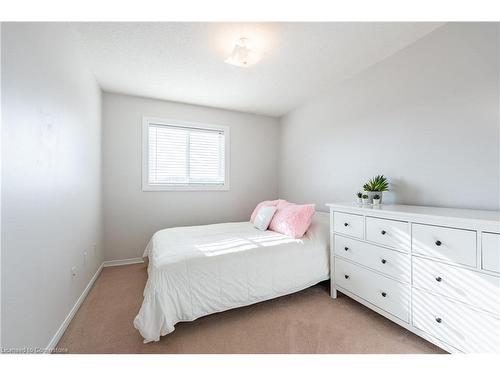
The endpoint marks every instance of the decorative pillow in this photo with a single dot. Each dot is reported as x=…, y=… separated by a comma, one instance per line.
x=264, y=217
x=281, y=203
x=262, y=204
x=292, y=219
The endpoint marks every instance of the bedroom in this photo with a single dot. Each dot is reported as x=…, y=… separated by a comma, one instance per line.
x=171, y=187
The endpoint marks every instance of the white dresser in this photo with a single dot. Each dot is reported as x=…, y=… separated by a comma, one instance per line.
x=435, y=271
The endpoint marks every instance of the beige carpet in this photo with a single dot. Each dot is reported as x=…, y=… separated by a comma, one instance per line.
x=305, y=322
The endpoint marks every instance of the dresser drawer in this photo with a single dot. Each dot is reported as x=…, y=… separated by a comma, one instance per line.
x=389, y=262
x=390, y=233
x=349, y=224
x=471, y=287
x=491, y=252
x=387, y=294
x=453, y=245
x=457, y=325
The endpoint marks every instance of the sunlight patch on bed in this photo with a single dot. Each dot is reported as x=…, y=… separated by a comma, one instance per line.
x=267, y=237
x=230, y=250
x=220, y=245
x=239, y=244
x=280, y=242
x=273, y=239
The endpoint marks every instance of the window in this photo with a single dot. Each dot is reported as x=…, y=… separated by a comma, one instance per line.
x=184, y=156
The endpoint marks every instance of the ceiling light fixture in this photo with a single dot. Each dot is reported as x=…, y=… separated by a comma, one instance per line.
x=242, y=55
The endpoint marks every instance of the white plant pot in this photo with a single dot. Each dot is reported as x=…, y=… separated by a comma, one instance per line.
x=366, y=201
x=376, y=202
x=372, y=193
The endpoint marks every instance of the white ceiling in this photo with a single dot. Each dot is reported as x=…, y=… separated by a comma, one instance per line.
x=185, y=61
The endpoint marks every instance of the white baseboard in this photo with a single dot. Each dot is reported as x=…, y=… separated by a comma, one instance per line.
x=122, y=262
x=108, y=263
x=54, y=341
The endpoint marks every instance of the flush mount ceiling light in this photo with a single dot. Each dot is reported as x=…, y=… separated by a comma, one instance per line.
x=242, y=54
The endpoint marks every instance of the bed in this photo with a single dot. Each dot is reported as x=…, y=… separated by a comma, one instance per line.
x=201, y=270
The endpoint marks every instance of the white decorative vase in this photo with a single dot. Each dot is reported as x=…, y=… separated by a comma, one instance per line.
x=376, y=202
x=366, y=201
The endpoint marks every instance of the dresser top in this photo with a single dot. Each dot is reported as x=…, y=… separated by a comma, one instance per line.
x=492, y=217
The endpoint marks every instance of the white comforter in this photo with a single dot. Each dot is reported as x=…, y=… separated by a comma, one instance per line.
x=196, y=271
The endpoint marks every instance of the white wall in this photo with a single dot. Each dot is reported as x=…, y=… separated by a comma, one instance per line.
x=51, y=180
x=427, y=117
x=0, y=185
x=131, y=216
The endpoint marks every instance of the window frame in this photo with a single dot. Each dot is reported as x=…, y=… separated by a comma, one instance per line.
x=146, y=186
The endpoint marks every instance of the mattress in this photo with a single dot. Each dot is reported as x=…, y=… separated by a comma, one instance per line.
x=200, y=270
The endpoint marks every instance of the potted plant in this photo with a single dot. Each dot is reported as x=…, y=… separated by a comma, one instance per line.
x=360, y=197
x=376, y=199
x=365, y=199
x=376, y=185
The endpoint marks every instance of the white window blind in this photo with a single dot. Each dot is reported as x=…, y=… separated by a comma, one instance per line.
x=179, y=155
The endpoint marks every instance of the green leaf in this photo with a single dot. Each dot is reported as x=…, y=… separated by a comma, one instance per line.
x=377, y=183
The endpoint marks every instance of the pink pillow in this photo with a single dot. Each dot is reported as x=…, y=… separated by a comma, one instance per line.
x=262, y=204
x=281, y=203
x=292, y=219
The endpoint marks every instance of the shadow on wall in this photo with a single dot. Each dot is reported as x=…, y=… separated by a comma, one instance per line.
x=402, y=192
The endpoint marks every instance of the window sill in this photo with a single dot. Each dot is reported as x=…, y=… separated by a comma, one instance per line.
x=185, y=187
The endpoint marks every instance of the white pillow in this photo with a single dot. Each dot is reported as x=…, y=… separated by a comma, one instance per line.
x=264, y=217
